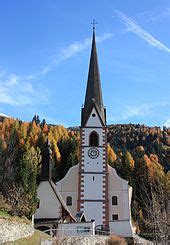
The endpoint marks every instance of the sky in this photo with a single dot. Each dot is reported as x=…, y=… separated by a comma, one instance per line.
x=45, y=50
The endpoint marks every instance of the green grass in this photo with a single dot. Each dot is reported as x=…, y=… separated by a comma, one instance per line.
x=35, y=239
x=5, y=215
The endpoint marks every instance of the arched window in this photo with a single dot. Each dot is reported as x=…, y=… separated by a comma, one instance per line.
x=114, y=200
x=94, y=139
x=69, y=201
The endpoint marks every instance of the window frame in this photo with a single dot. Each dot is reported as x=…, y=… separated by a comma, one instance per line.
x=114, y=200
x=69, y=201
x=94, y=141
x=116, y=217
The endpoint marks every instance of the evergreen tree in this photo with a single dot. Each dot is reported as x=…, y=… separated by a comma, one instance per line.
x=28, y=175
x=36, y=118
x=43, y=123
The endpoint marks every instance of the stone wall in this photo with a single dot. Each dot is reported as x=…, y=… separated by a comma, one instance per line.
x=13, y=230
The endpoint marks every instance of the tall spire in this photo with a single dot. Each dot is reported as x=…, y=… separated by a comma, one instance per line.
x=93, y=90
x=45, y=162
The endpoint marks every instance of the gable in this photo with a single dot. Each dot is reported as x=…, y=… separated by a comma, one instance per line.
x=94, y=119
x=49, y=206
x=115, y=181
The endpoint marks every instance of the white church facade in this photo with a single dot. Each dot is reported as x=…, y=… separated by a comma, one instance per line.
x=92, y=186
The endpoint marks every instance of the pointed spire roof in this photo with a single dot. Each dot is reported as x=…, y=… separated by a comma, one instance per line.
x=45, y=162
x=93, y=91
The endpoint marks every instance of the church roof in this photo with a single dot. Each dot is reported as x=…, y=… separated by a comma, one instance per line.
x=60, y=199
x=80, y=217
x=93, y=90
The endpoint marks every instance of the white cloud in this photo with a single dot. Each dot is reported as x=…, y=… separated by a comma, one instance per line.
x=139, y=31
x=154, y=15
x=136, y=111
x=131, y=111
x=67, y=53
x=18, y=90
x=167, y=123
x=15, y=91
x=78, y=47
x=12, y=80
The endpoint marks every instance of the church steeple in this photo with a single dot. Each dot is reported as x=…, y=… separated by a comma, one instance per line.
x=93, y=91
x=45, y=162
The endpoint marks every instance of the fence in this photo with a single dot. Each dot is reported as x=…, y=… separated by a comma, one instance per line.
x=68, y=237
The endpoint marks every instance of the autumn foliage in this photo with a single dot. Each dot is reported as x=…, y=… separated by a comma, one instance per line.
x=137, y=152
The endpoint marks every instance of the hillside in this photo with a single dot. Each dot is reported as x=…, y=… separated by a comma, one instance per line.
x=137, y=152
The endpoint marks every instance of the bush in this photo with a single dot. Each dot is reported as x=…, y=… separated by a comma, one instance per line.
x=4, y=205
x=116, y=240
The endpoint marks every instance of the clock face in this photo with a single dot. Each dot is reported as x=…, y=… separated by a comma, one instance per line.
x=93, y=153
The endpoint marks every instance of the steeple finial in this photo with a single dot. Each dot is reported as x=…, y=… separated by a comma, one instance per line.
x=94, y=23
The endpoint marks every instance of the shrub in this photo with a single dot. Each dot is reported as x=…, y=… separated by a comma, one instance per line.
x=116, y=240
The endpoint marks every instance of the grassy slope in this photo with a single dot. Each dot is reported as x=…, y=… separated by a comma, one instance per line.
x=31, y=240
x=5, y=215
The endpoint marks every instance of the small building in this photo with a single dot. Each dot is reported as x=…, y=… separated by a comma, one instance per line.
x=51, y=208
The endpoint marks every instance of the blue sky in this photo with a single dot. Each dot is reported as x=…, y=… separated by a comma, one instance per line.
x=44, y=57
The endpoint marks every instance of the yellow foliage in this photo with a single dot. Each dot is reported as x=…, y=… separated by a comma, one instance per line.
x=4, y=145
x=111, y=154
x=57, y=152
x=45, y=128
x=22, y=142
x=156, y=169
x=141, y=213
x=130, y=159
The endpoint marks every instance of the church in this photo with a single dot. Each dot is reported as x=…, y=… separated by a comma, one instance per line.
x=91, y=187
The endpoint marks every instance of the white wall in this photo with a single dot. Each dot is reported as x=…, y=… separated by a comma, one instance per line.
x=68, y=186
x=11, y=230
x=76, y=229
x=94, y=210
x=93, y=121
x=121, y=228
x=49, y=205
x=93, y=189
x=87, y=132
x=94, y=165
x=70, y=181
x=115, y=182
x=119, y=187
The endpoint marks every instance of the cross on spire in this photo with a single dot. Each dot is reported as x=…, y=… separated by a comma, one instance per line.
x=94, y=23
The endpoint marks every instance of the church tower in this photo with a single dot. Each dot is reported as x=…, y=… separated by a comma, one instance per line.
x=93, y=168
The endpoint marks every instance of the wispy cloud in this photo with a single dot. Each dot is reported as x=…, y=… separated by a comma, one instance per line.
x=67, y=53
x=18, y=90
x=129, y=112
x=78, y=47
x=154, y=15
x=167, y=123
x=139, y=31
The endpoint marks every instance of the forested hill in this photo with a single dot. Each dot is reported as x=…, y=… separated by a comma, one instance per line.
x=129, y=137
x=137, y=152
